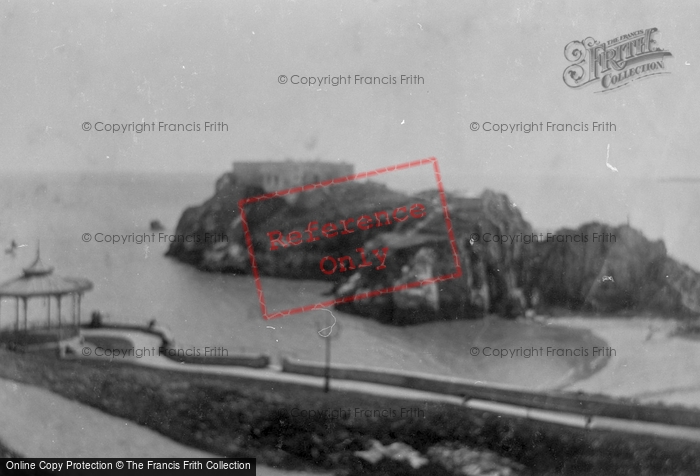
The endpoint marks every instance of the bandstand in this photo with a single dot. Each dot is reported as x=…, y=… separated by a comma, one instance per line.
x=38, y=281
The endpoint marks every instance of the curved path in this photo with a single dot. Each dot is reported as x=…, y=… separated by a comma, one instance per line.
x=37, y=423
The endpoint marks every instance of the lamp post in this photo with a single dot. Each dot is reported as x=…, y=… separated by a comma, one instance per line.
x=328, y=329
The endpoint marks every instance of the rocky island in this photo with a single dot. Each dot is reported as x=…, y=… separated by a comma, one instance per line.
x=598, y=268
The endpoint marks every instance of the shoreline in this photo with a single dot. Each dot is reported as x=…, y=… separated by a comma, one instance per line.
x=643, y=367
x=437, y=348
x=651, y=365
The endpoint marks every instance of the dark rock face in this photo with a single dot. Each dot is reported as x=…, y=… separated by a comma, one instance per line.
x=500, y=276
x=493, y=272
x=682, y=283
x=621, y=271
x=220, y=216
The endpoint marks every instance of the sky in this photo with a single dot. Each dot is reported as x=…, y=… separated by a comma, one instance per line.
x=190, y=62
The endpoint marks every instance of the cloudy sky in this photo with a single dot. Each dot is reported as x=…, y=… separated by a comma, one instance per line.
x=64, y=63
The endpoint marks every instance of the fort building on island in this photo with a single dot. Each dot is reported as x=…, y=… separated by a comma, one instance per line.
x=281, y=175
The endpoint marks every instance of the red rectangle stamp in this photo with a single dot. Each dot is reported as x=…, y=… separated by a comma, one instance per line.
x=333, y=228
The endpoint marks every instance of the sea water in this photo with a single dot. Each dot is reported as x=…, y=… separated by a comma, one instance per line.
x=136, y=283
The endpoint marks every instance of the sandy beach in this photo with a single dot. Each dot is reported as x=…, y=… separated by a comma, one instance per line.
x=650, y=364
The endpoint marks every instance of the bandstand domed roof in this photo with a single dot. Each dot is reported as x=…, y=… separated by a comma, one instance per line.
x=39, y=280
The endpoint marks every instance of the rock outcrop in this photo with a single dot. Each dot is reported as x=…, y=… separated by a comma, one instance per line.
x=493, y=271
x=219, y=217
x=619, y=271
x=499, y=276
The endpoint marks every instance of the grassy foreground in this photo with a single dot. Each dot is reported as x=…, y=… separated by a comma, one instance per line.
x=250, y=418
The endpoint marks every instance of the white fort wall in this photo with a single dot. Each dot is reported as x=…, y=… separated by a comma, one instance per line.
x=273, y=176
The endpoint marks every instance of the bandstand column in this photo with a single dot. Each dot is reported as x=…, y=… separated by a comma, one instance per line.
x=59, y=311
x=72, y=297
x=48, y=310
x=24, y=300
x=16, y=314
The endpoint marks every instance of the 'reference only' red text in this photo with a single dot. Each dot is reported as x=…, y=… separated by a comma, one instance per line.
x=331, y=230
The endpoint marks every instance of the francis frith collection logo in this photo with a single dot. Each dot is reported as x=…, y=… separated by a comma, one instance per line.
x=615, y=63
